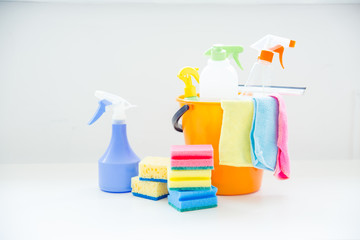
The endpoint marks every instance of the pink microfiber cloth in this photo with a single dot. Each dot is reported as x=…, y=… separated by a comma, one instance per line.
x=282, y=169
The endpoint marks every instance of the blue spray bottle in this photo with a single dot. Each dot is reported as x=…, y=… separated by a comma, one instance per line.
x=119, y=163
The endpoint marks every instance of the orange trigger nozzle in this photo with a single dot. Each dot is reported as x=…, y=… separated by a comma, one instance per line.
x=266, y=56
x=280, y=50
x=292, y=43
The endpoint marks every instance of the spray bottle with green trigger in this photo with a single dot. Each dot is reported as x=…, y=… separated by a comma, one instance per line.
x=267, y=46
x=219, y=78
x=119, y=163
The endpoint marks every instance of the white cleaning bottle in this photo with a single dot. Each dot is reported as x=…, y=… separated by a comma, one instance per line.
x=219, y=79
x=260, y=73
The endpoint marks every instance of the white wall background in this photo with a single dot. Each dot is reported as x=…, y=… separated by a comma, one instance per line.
x=53, y=56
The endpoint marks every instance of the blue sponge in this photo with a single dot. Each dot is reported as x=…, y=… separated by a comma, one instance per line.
x=193, y=200
x=153, y=179
x=149, y=197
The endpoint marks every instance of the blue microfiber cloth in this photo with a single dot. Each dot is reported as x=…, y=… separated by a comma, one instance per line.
x=192, y=200
x=264, y=133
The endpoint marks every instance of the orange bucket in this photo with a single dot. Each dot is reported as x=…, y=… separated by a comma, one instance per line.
x=201, y=124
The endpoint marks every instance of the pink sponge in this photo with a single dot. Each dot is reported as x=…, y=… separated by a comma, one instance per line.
x=187, y=157
x=191, y=151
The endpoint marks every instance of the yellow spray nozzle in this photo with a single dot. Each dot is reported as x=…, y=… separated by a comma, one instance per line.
x=185, y=75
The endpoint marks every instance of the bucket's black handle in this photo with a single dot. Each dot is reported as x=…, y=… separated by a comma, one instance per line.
x=177, y=116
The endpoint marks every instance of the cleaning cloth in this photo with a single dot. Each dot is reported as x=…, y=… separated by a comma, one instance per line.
x=234, y=145
x=282, y=170
x=264, y=133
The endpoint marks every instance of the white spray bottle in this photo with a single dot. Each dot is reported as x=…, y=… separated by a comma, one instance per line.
x=267, y=46
x=219, y=79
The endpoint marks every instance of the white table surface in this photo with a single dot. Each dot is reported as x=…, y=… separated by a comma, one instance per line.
x=62, y=201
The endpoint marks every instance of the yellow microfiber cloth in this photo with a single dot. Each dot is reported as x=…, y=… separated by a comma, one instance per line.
x=234, y=145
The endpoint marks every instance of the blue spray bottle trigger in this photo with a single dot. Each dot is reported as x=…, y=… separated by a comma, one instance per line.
x=99, y=112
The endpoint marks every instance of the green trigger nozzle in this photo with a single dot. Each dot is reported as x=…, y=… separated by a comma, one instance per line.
x=221, y=52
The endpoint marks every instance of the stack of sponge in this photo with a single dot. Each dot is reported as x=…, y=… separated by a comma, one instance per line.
x=152, y=180
x=189, y=178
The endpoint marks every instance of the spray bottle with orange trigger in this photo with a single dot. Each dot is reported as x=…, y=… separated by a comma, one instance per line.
x=267, y=46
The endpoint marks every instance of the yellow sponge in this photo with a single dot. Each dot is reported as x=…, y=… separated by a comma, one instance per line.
x=189, y=179
x=154, y=169
x=148, y=189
